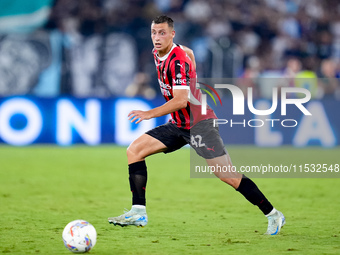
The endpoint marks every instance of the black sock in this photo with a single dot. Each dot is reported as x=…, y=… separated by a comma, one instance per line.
x=252, y=193
x=138, y=177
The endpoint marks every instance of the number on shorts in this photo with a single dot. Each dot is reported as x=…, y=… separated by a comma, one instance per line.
x=197, y=141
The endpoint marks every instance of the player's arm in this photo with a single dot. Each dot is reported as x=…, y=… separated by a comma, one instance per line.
x=179, y=101
x=190, y=54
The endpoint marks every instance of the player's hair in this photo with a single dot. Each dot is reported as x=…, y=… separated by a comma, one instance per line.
x=164, y=19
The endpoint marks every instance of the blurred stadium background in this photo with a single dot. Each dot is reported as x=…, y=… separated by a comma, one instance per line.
x=71, y=70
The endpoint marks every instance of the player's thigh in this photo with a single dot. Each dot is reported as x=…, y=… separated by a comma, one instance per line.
x=144, y=146
x=206, y=140
x=170, y=135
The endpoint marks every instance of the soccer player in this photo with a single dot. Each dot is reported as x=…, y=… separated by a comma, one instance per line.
x=175, y=65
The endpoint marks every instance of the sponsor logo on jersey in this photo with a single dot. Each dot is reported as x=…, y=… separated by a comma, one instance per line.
x=165, y=88
x=179, y=81
x=165, y=92
x=163, y=85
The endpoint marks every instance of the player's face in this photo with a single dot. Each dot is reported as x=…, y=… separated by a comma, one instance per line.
x=162, y=37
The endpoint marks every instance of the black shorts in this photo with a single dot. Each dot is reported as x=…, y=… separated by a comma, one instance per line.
x=204, y=138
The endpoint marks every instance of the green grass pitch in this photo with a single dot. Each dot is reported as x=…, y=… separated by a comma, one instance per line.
x=42, y=188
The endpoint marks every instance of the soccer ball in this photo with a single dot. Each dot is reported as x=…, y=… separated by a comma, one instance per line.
x=79, y=236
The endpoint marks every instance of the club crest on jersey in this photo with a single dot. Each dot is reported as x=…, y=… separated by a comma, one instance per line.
x=179, y=76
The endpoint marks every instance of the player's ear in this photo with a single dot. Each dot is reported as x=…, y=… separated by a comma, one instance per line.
x=173, y=33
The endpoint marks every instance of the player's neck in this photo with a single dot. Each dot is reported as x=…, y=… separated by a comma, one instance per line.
x=166, y=50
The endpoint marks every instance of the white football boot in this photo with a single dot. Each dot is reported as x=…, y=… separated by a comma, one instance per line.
x=136, y=216
x=276, y=221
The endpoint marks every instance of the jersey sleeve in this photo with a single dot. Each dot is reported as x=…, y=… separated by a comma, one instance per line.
x=180, y=74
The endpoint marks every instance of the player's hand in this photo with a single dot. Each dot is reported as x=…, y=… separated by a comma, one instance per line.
x=138, y=116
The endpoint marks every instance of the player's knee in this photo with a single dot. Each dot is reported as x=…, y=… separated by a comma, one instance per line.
x=234, y=182
x=130, y=152
x=133, y=153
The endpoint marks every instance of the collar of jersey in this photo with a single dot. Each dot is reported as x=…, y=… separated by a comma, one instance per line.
x=166, y=55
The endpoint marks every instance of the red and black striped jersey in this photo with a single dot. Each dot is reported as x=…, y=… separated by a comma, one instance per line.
x=176, y=71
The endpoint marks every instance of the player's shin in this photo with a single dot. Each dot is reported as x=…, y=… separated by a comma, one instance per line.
x=138, y=179
x=252, y=193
